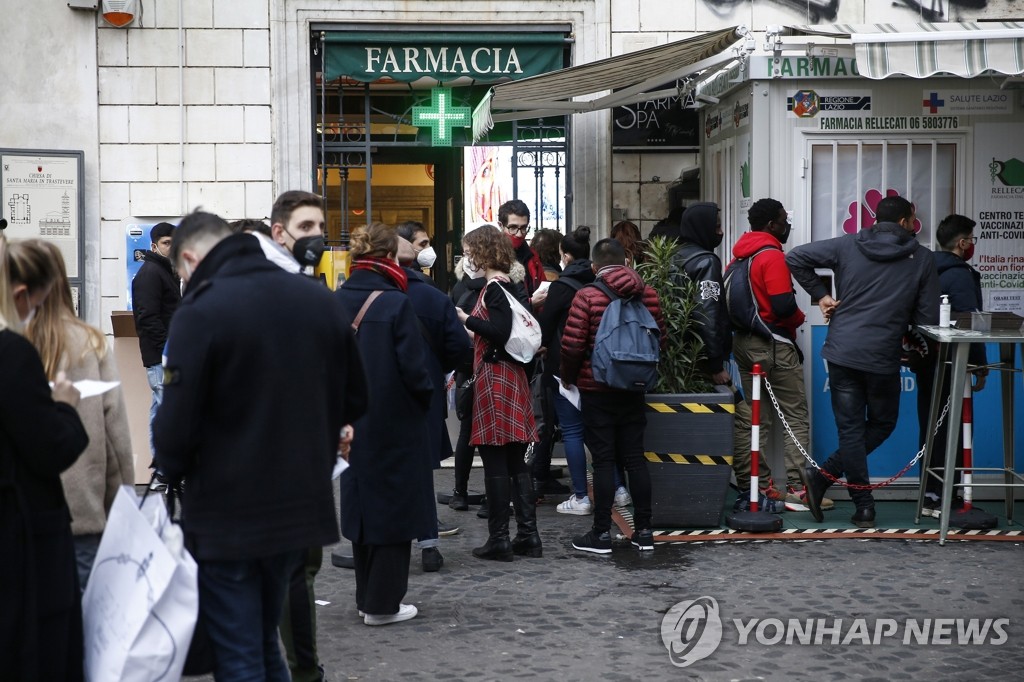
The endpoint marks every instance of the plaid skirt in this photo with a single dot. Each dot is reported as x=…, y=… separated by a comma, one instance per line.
x=502, y=405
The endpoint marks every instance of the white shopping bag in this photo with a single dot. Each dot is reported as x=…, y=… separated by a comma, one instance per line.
x=142, y=599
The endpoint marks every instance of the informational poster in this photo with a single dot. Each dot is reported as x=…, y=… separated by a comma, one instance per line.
x=999, y=205
x=40, y=195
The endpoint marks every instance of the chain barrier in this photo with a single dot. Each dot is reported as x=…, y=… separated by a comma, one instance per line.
x=830, y=477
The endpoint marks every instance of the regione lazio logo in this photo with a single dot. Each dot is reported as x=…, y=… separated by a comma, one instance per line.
x=691, y=631
x=933, y=103
x=804, y=103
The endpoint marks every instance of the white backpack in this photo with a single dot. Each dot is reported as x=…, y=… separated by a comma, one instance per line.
x=524, y=341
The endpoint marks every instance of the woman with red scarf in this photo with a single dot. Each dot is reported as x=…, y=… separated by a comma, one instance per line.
x=387, y=491
x=503, y=420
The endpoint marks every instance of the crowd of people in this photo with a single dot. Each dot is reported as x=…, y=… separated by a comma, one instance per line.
x=226, y=317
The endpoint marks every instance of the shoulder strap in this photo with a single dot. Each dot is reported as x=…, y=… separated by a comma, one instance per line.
x=362, y=311
x=603, y=286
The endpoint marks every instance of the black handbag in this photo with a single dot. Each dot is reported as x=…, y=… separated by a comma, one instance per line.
x=464, y=398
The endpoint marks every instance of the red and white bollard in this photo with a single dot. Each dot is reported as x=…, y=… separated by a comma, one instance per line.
x=969, y=517
x=755, y=436
x=968, y=422
x=753, y=520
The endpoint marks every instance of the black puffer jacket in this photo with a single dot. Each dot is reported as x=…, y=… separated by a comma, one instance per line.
x=156, y=293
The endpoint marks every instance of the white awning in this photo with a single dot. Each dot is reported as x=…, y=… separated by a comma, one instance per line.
x=924, y=50
x=632, y=77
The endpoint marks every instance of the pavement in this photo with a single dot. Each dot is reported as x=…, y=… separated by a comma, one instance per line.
x=576, y=616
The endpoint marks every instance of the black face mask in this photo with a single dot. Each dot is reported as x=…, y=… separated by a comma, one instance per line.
x=785, y=234
x=716, y=240
x=308, y=250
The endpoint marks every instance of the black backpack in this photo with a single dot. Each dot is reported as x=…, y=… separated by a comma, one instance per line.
x=739, y=297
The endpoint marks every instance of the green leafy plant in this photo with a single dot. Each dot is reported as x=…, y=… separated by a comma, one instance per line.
x=677, y=369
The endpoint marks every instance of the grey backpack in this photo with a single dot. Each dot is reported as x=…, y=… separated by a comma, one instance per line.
x=627, y=345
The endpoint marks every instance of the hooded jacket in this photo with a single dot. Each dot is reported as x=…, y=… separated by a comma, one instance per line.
x=962, y=283
x=697, y=261
x=771, y=282
x=884, y=281
x=584, y=318
x=553, y=315
x=156, y=293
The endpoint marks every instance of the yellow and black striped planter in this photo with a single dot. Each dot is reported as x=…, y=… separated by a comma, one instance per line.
x=694, y=430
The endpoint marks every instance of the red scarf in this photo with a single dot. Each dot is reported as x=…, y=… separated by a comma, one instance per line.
x=383, y=266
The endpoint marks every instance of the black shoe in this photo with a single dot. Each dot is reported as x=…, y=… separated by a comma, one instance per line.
x=458, y=501
x=643, y=540
x=481, y=513
x=432, y=560
x=496, y=549
x=342, y=560
x=815, y=484
x=527, y=541
x=444, y=530
x=594, y=542
x=864, y=517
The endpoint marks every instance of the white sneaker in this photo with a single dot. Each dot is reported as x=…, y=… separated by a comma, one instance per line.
x=405, y=612
x=622, y=498
x=579, y=506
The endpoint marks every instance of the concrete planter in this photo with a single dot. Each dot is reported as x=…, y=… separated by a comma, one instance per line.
x=688, y=442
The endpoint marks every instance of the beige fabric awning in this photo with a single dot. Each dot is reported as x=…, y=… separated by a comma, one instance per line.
x=924, y=50
x=632, y=78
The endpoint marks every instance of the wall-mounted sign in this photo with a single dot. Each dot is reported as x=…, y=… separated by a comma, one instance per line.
x=659, y=124
x=41, y=197
x=808, y=67
x=999, y=202
x=442, y=55
x=809, y=103
x=873, y=123
x=973, y=102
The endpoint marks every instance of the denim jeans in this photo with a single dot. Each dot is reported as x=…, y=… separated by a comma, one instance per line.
x=240, y=603
x=572, y=438
x=155, y=376
x=86, y=547
x=613, y=424
x=866, y=407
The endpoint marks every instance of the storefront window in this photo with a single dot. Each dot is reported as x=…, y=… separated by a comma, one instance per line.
x=849, y=178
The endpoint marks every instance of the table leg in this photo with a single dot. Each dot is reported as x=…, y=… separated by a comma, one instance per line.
x=941, y=355
x=956, y=401
x=1007, y=353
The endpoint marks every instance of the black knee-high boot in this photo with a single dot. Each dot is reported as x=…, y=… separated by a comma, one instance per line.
x=524, y=499
x=497, y=547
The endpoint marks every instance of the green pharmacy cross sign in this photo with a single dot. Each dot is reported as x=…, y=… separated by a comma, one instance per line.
x=441, y=116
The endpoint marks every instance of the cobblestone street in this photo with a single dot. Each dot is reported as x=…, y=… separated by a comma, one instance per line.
x=572, y=616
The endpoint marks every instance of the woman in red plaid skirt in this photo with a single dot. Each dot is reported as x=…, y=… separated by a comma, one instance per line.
x=503, y=421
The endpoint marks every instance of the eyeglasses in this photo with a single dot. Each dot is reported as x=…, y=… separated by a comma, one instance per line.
x=972, y=240
x=517, y=229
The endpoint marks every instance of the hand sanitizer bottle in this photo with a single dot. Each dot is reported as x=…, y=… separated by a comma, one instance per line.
x=944, y=311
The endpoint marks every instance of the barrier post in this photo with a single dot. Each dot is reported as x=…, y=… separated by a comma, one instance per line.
x=755, y=437
x=969, y=516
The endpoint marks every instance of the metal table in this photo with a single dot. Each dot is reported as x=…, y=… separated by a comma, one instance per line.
x=959, y=340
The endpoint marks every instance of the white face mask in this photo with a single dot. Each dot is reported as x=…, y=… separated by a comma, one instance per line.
x=28, y=318
x=471, y=269
x=426, y=257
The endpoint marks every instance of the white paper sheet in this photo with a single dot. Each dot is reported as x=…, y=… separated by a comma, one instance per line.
x=89, y=388
x=338, y=468
x=571, y=393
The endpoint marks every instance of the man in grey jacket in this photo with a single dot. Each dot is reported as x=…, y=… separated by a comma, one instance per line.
x=885, y=280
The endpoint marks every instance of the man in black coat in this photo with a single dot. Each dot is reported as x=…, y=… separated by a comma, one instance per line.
x=259, y=478
x=962, y=283
x=446, y=341
x=700, y=233
x=885, y=280
x=156, y=293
